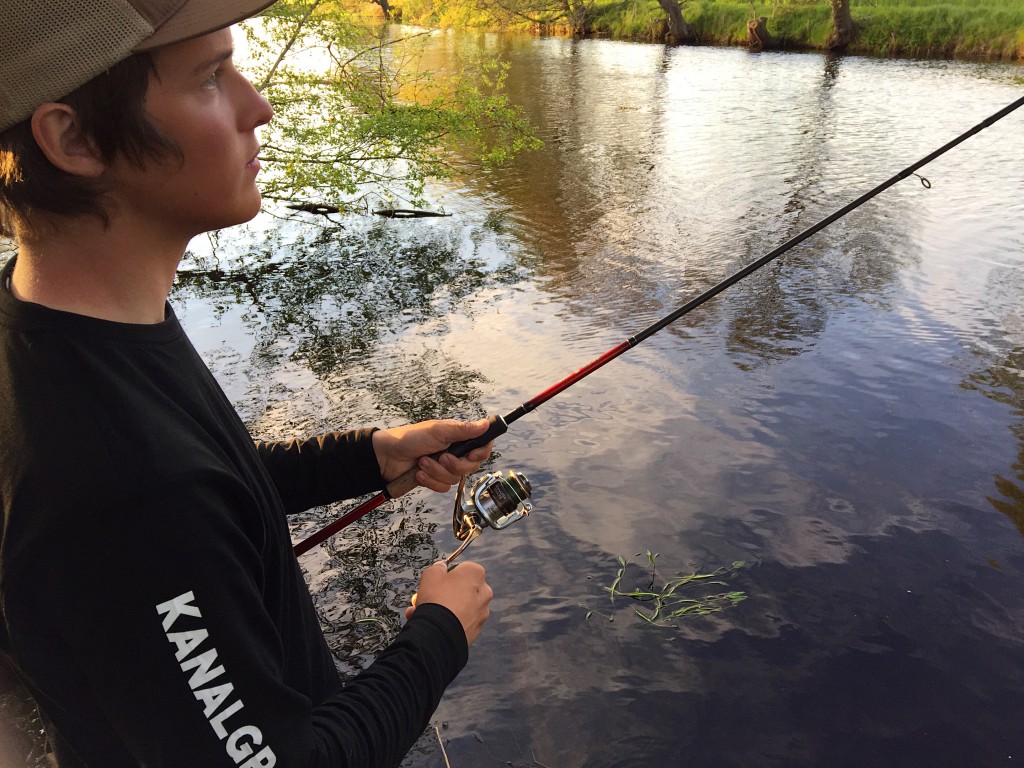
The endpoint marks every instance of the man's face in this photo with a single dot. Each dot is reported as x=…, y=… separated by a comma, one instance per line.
x=205, y=106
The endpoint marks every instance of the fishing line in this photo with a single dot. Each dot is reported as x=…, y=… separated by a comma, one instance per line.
x=499, y=424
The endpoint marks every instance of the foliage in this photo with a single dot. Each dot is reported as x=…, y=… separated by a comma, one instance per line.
x=635, y=19
x=794, y=23
x=965, y=28
x=573, y=17
x=672, y=601
x=945, y=28
x=359, y=115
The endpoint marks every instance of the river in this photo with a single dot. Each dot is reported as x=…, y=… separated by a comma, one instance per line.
x=847, y=423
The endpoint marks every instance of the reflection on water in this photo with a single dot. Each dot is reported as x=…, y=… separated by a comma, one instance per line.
x=321, y=302
x=1002, y=382
x=848, y=421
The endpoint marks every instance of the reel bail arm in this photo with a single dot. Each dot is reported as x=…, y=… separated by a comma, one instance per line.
x=495, y=501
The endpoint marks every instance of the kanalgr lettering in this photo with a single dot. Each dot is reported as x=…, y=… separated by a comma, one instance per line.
x=209, y=688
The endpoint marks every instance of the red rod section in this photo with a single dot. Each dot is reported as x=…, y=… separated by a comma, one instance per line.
x=329, y=530
x=572, y=378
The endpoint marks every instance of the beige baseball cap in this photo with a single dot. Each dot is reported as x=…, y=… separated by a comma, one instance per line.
x=48, y=48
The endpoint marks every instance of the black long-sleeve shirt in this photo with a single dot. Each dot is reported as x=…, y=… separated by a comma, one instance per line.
x=149, y=595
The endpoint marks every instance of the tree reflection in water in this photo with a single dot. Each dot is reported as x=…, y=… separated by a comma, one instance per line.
x=784, y=308
x=333, y=292
x=1001, y=381
x=332, y=302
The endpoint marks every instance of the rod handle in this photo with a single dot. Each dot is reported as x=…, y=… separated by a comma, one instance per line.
x=405, y=483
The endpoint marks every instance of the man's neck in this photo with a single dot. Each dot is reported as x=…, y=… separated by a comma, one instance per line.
x=89, y=270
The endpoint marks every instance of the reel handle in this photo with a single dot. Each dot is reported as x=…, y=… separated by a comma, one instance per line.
x=405, y=483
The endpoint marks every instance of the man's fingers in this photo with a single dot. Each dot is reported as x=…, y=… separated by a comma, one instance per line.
x=440, y=475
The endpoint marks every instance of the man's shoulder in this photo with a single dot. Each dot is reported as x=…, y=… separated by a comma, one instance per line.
x=94, y=431
x=78, y=407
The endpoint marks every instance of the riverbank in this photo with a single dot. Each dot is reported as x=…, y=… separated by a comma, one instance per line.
x=969, y=29
x=954, y=29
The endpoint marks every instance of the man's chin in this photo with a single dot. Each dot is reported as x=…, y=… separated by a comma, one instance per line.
x=242, y=215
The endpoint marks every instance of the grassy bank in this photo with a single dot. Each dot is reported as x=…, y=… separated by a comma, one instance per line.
x=992, y=29
x=966, y=29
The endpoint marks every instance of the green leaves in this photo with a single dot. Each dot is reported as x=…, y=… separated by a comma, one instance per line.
x=361, y=114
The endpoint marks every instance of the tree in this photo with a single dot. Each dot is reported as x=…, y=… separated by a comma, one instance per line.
x=843, y=28
x=679, y=29
x=576, y=15
x=357, y=117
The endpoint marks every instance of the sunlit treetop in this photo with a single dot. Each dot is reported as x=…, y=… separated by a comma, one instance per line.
x=365, y=115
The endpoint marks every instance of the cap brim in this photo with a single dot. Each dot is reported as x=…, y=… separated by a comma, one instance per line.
x=200, y=17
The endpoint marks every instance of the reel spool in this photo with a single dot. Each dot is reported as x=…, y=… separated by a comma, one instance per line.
x=494, y=501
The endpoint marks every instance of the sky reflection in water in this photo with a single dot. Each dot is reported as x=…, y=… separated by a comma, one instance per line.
x=848, y=422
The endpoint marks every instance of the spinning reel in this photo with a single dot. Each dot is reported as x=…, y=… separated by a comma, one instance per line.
x=494, y=501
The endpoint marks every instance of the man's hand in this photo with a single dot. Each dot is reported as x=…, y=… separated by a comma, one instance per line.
x=400, y=448
x=461, y=590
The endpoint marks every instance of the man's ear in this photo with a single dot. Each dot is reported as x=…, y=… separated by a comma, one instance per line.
x=58, y=132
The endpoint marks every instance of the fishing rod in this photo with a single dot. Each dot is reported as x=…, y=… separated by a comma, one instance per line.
x=499, y=424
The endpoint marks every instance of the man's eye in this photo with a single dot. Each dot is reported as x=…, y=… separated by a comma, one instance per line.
x=213, y=80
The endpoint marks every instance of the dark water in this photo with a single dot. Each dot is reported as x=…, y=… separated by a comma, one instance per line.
x=848, y=423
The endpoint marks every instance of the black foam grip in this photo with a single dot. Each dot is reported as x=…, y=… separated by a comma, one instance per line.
x=405, y=483
x=496, y=428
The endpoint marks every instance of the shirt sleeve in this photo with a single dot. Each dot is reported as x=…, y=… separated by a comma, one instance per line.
x=155, y=622
x=322, y=469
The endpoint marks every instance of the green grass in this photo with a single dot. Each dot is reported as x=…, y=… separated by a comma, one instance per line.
x=962, y=29
x=948, y=30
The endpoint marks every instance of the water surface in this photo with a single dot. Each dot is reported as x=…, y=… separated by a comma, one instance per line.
x=847, y=422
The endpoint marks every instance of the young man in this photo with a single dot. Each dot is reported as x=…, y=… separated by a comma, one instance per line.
x=149, y=597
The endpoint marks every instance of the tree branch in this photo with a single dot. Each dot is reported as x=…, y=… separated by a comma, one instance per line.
x=288, y=46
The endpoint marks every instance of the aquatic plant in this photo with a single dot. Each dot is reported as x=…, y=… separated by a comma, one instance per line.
x=672, y=600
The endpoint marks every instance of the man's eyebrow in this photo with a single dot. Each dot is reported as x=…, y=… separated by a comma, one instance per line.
x=213, y=61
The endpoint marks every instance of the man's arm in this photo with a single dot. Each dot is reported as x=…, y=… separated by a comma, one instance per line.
x=322, y=469
x=175, y=635
x=343, y=465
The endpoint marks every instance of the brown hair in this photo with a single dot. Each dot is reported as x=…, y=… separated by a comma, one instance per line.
x=110, y=108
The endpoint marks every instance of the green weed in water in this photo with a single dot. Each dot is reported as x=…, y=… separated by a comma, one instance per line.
x=674, y=598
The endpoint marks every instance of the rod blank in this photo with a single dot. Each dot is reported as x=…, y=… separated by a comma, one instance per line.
x=461, y=449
